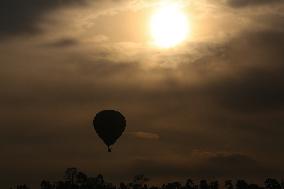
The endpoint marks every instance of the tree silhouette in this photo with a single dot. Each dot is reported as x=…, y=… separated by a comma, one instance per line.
x=23, y=186
x=60, y=185
x=241, y=184
x=173, y=185
x=203, y=184
x=70, y=175
x=282, y=184
x=139, y=181
x=272, y=184
x=46, y=185
x=214, y=185
x=189, y=184
x=100, y=180
x=253, y=186
x=122, y=186
x=81, y=179
x=74, y=179
x=91, y=182
x=228, y=184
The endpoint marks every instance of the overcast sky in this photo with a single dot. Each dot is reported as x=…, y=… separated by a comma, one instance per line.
x=212, y=107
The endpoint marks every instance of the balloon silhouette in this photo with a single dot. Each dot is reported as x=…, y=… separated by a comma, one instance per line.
x=109, y=125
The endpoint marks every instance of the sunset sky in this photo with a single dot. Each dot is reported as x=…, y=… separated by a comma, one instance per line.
x=205, y=101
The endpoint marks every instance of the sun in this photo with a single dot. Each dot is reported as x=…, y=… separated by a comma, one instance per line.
x=169, y=26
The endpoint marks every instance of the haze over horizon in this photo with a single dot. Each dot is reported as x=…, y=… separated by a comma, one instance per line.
x=209, y=104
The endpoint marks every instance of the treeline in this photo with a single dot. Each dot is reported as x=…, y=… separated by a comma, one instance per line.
x=74, y=179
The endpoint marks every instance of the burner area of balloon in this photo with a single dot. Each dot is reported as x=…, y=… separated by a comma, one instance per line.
x=109, y=125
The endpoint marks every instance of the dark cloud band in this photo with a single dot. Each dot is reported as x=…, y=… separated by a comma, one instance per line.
x=22, y=17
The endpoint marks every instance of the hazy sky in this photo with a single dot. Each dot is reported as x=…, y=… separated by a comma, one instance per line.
x=212, y=107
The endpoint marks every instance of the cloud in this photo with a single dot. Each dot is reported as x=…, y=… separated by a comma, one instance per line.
x=145, y=135
x=244, y=3
x=224, y=97
x=65, y=42
x=23, y=17
x=255, y=83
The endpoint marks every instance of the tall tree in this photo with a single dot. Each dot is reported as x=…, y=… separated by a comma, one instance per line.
x=203, y=184
x=228, y=184
x=241, y=184
x=189, y=184
x=214, y=185
x=70, y=174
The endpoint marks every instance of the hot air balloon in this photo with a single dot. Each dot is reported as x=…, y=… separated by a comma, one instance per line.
x=109, y=125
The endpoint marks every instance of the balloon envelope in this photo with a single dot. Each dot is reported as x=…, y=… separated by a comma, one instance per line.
x=109, y=125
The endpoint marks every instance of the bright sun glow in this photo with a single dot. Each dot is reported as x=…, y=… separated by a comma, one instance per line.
x=169, y=26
